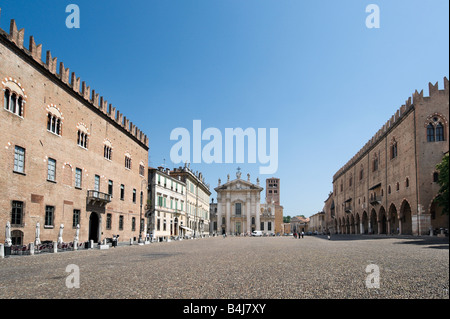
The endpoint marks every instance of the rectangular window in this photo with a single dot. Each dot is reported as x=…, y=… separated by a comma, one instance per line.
x=78, y=177
x=134, y=195
x=127, y=162
x=110, y=187
x=17, y=213
x=120, y=222
x=108, y=221
x=122, y=192
x=76, y=218
x=19, y=159
x=238, y=209
x=97, y=183
x=133, y=224
x=51, y=170
x=49, y=215
x=262, y=225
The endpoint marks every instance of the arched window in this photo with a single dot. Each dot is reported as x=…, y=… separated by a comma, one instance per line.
x=375, y=164
x=430, y=133
x=13, y=98
x=82, y=135
x=54, y=120
x=439, y=132
x=6, y=100
x=407, y=183
x=361, y=173
x=394, y=149
x=127, y=160
x=435, y=125
x=107, y=150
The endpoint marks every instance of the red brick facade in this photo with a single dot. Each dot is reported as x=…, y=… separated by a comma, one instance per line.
x=58, y=143
x=388, y=187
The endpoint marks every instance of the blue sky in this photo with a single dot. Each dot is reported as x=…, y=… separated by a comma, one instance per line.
x=312, y=69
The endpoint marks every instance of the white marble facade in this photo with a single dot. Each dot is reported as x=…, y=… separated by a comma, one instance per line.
x=238, y=206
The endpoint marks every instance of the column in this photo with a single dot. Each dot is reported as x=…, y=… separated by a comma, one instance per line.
x=228, y=214
x=219, y=214
x=258, y=212
x=249, y=218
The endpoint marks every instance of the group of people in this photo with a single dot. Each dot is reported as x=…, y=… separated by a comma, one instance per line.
x=300, y=235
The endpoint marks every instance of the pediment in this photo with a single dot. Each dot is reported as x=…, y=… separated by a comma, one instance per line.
x=237, y=185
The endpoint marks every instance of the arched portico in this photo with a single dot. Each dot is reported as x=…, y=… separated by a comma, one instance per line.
x=405, y=218
x=393, y=220
x=382, y=221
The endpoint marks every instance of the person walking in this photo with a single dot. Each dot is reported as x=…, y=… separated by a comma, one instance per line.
x=303, y=234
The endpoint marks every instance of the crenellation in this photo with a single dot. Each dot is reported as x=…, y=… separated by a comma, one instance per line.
x=16, y=36
x=432, y=89
x=103, y=105
x=51, y=62
x=417, y=97
x=126, y=124
x=63, y=73
x=95, y=98
x=112, y=111
x=75, y=83
x=35, y=50
x=85, y=91
x=119, y=117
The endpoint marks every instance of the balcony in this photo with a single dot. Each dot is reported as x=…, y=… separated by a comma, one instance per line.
x=98, y=198
x=375, y=200
x=348, y=207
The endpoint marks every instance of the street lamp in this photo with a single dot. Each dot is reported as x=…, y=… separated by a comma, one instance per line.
x=140, y=214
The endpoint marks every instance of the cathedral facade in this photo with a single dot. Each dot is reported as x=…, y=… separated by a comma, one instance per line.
x=238, y=206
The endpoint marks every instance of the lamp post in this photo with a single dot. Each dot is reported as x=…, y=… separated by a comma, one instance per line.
x=140, y=214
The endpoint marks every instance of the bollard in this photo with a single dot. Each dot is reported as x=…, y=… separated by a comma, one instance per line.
x=31, y=247
x=91, y=244
x=75, y=245
x=131, y=241
x=2, y=251
x=55, y=247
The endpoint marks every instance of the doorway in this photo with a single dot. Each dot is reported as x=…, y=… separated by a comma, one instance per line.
x=94, y=223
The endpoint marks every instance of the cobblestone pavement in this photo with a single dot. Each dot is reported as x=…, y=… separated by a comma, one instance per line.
x=239, y=267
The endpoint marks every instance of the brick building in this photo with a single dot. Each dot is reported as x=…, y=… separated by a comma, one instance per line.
x=273, y=193
x=389, y=186
x=66, y=156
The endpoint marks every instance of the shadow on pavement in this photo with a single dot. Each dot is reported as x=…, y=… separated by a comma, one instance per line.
x=432, y=242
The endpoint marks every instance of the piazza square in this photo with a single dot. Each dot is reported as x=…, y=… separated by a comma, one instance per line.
x=224, y=158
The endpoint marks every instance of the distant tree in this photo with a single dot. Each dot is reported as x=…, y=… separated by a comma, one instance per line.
x=443, y=196
x=286, y=219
